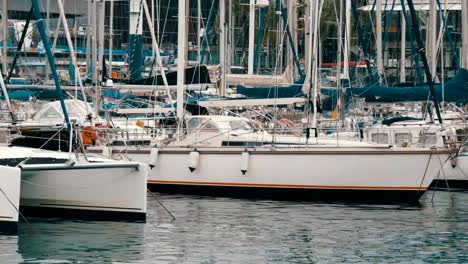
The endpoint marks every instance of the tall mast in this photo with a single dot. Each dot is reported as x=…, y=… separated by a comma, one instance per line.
x=403, y=48
x=199, y=38
x=339, y=32
x=427, y=70
x=94, y=47
x=378, y=33
x=72, y=50
x=222, y=44
x=5, y=37
x=181, y=47
x=50, y=57
x=156, y=51
x=465, y=34
x=88, y=42
x=432, y=38
x=7, y=98
x=251, y=36
x=111, y=36
x=135, y=52
x=316, y=16
x=102, y=17
x=347, y=39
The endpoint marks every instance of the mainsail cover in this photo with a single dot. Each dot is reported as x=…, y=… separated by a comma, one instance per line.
x=270, y=92
x=454, y=90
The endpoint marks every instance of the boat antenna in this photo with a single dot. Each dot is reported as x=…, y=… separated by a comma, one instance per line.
x=50, y=58
x=422, y=52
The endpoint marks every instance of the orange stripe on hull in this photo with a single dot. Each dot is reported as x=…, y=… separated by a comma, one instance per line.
x=288, y=185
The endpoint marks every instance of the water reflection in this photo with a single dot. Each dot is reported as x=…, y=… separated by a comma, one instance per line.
x=222, y=230
x=78, y=241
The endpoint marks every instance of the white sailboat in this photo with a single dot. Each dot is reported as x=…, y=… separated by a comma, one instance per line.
x=71, y=184
x=56, y=185
x=9, y=199
x=314, y=172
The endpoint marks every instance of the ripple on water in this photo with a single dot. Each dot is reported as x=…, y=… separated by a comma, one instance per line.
x=221, y=230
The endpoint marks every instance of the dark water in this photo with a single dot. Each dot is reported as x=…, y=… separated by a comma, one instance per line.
x=219, y=230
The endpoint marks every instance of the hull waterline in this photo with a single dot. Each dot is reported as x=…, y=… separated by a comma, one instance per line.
x=322, y=174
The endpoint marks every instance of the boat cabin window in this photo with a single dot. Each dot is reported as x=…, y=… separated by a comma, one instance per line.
x=402, y=139
x=193, y=123
x=239, y=125
x=208, y=126
x=51, y=113
x=379, y=138
x=201, y=125
x=428, y=139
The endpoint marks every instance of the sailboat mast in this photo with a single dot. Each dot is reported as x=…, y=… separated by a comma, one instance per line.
x=7, y=98
x=5, y=37
x=347, y=39
x=316, y=15
x=417, y=34
x=403, y=49
x=111, y=36
x=222, y=45
x=251, y=36
x=378, y=33
x=72, y=50
x=102, y=17
x=181, y=47
x=431, y=38
x=465, y=34
x=50, y=58
x=156, y=50
x=88, y=42
x=339, y=32
x=94, y=49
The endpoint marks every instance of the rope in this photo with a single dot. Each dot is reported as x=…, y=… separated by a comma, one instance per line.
x=161, y=204
x=29, y=157
x=14, y=206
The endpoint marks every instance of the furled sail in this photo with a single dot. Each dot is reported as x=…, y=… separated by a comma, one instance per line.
x=454, y=90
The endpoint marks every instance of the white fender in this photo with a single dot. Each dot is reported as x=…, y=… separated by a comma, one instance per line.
x=194, y=159
x=153, y=159
x=453, y=162
x=107, y=151
x=245, y=162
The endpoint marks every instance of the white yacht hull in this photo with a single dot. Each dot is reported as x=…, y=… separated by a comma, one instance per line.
x=95, y=191
x=379, y=175
x=454, y=176
x=10, y=179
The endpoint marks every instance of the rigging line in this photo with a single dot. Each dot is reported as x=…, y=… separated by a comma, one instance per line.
x=28, y=158
x=438, y=173
x=14, y=206
x=162, y=205
x=449, y=37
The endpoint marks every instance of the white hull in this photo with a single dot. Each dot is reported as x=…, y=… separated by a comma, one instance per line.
x=107, y=191
x=101, y=189
x=321, y=173
x=454, y=174
x=10, y=179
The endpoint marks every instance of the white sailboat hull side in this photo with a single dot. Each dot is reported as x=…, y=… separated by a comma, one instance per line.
x=10, y=179
x=454, y=176
x=359, y=174
x=98, y=191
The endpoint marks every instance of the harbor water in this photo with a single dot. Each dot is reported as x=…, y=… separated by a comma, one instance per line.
x=223, y=230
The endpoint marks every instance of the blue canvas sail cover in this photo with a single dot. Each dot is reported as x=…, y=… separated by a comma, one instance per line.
x=270, y=92
x=455, y=90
